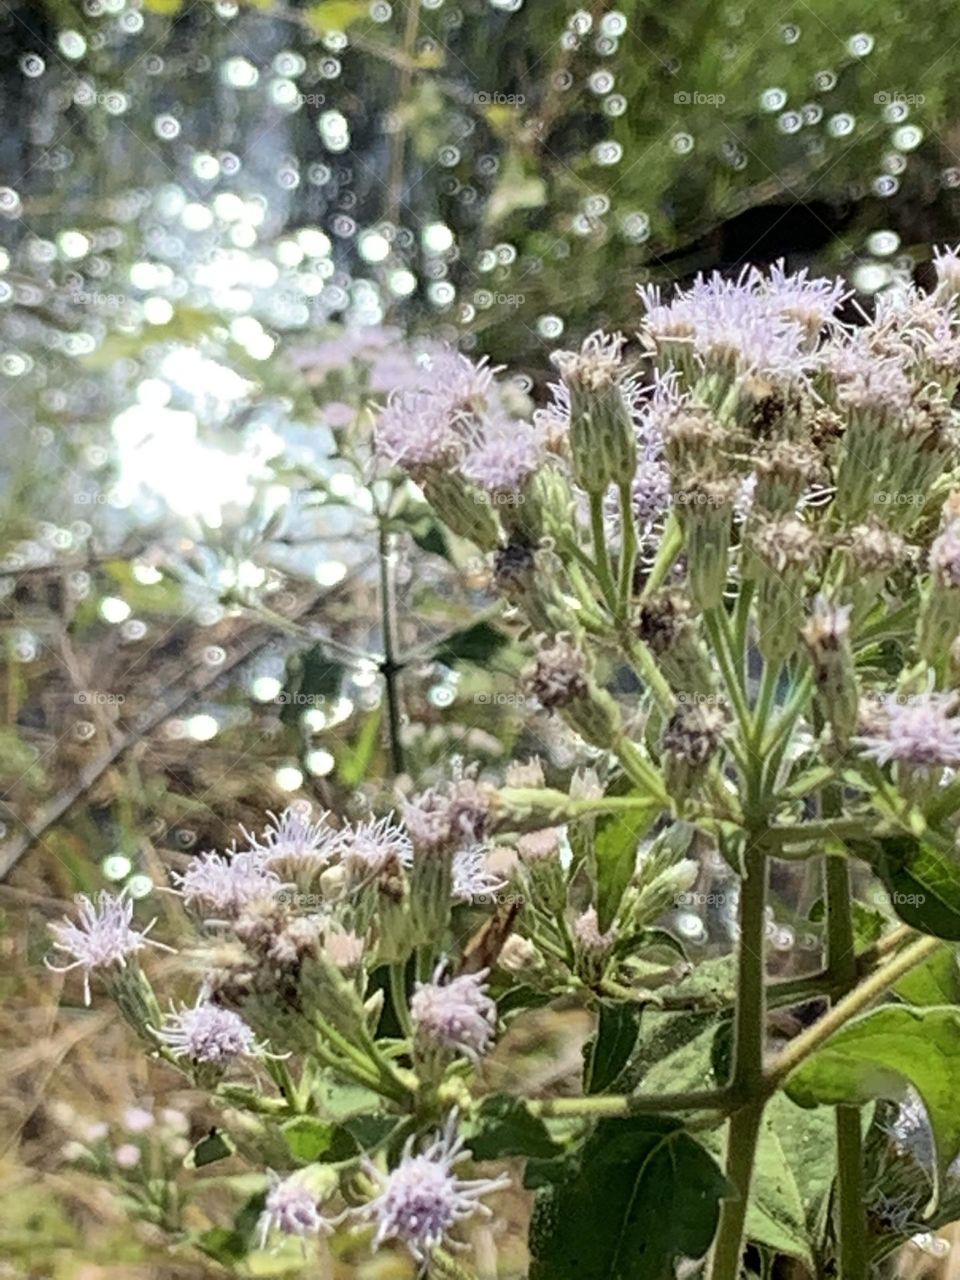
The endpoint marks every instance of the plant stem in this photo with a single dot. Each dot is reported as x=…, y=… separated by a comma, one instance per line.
x=842, y=965
x=746, y=1082
x=628, y=1104
x=875, y=985
x=713, y=621
x=601, y=555
x=389, y=667
x=628, y=549
x=671, y=544
x=398, y=996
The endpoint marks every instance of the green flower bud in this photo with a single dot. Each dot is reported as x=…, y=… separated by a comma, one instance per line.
x=688, y=743
x=827, y=636
x=603, y=443
x=462, y=508
x=781, y=553
x=704, y=507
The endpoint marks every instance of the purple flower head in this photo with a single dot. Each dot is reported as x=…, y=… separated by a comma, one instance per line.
x=456, y=1016
x=812, y=304
x=472, y=877
x=103, y=936
x=293, y=839
x=866, y=381
x=416, y=431
x=207, y=1033
x=422, y=1199
x=922, y=732
x=291, y=1209
x=503, y=454
x=586, y=931
x=367, y=847
x=447, y=816
x=226, y=883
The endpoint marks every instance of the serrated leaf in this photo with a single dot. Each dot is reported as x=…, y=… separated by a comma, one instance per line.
x=878, y=1056
x=308, y=1138
x=610, y=1049
x=503, y=1126
x=923, y=884
x=615, y=854
x=215, y=1146
x=644, y=1194
x=935, y=982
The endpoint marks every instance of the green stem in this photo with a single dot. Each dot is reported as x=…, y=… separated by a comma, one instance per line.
x=647, y=669
x=671, y=544
x=842, y=965
x=398, y=996
x=713, y=620
x=601, y=555
x=765, y=700
x=628, y=549
x=389, y=667
x=629, y=1104
x=746, y=1082
x=808, y=1041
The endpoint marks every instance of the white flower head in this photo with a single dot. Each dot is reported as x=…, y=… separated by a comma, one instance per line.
x=102, y=936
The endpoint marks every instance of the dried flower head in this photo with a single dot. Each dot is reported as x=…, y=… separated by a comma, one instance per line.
x=103, y=936
x=422, y=1199
x=456, y=1016
x=559, y=676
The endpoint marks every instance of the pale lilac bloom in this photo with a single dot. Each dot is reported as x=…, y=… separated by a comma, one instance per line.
x=866, y=381
x=946, y=263
x=456, y=1016
x=416, y=430
x=422, y=1199
x=138, y=1119
x=921, y=732
x=472, y=877
x=292, y=839
x=291, y=1208
x=207, y=1033
x=127, y=1156
x=226, y=883
x=103, y=936
x=367, y=847
x=503, y=454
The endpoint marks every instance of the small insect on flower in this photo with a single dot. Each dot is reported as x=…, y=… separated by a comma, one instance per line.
x=226, y=884
x=456, y=1016
x=103, y=936
x=291, y=1208
x=367, y=847
x=207, y=1033
x=422, y=1199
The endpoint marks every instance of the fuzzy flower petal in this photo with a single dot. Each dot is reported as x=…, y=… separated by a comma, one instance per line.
x=102, y=936
x=207, y=1033
x=456, y=1016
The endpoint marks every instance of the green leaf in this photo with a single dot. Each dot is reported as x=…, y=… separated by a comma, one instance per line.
x=308, y=1138
x=610, y=1049
x=615, y=851
x=923, y=884
x=215, y=1146
x=477, y=643
x=878, y=1055
x=335, y=15
x=313, y=679
x=776, y=1216
x=936, y=981
x=503, y=1127
x=644, y=1194
x=354, y=762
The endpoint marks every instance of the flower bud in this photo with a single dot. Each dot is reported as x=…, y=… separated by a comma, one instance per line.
x=688, y=743
x=666, y=624
x=519, y=956
x=780, y=554
x=939, y=620
x=704, y=506
x=603, y=442
x=827, y=636
x=785, y=470
x=527, y=576
x=592, y=947
x=461, y=508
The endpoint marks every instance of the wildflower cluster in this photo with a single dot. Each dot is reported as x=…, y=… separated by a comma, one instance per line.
x=731, y=569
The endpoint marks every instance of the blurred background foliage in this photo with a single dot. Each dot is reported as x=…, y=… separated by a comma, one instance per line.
x=226, y=231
